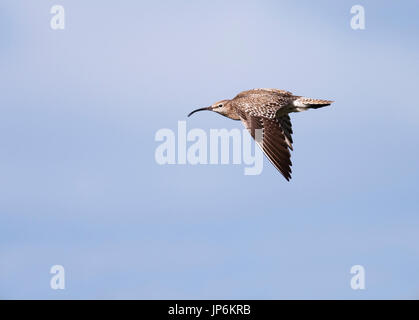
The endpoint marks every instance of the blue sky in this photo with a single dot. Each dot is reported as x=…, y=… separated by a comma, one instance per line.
x=79, y=185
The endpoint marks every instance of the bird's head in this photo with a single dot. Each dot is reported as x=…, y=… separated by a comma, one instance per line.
x=221, y=107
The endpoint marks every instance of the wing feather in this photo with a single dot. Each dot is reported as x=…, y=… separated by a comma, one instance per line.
x=276, y=140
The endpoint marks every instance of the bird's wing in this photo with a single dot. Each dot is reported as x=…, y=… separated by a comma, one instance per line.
x=276, y=140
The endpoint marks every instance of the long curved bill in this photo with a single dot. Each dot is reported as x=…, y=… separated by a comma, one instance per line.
x=200, y=109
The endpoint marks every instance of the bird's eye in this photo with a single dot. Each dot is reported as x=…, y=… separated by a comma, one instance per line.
x=220, y=105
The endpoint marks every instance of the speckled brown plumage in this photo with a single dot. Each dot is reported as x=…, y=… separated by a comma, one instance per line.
x=268, y=110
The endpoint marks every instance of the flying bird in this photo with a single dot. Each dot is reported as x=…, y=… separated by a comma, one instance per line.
x=268, y=110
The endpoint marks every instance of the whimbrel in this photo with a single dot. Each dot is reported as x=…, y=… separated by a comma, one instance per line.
x=268, y=110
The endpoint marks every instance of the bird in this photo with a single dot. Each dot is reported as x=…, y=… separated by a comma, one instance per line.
x=268, y=110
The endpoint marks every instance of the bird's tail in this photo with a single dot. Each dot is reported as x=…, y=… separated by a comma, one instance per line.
x=302, y=103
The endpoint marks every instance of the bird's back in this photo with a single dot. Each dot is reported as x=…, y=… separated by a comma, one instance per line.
x=262, y=102
x=264, y=91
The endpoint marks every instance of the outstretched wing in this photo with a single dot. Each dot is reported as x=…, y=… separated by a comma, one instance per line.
x=276, y=139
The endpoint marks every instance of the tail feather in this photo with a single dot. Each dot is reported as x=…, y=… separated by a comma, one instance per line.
x=303, y=104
